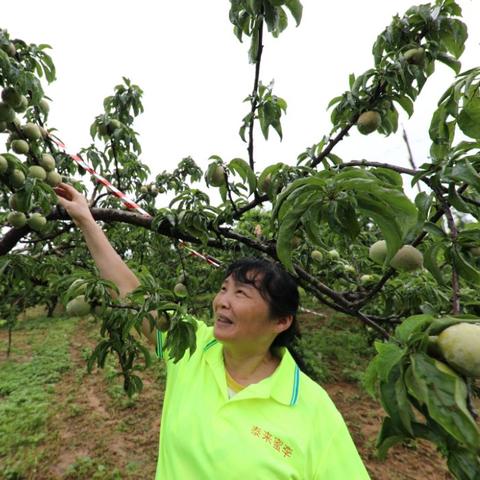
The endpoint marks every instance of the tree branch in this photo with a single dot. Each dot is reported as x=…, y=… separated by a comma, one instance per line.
x=14, y=235
x=254, y=102
x=333, y=142
x=365, y=163
x=453, y=236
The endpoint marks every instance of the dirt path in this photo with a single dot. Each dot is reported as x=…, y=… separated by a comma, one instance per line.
x=363, y=417
x=95, y=432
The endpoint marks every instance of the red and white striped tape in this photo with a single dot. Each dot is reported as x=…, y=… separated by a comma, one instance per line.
x=129, y=203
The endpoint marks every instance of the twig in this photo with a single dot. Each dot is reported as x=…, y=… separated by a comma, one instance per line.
x=366, y=163
x=410, y=155
x=454, y=237
x=117, y=173
x=333, y=142
x=254, y=102
x=229, y=193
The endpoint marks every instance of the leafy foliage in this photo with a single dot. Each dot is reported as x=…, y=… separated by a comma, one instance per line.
x=422, y=396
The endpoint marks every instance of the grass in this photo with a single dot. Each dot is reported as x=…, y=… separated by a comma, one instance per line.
x=26, y=386
x=87, y=467
x=337, y=347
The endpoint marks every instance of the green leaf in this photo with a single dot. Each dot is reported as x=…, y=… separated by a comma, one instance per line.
x=450, y=61
x=406, y=104
x=439, y=132
x=423, y=202
x=463, y=463
x=370, y=377
x=431, y=264
x=394, y=400
x=465, y=172
x=288, y=227
x=434, y=230
x=404, y=409
x=454, y=35
x=272, y=18
x=335, y=159
x=253, y=50
x=254, y=6
x=243, y=169
x=388, y=437
x=443, y=406
x=391, y=231
x=416, y=387
x=463, y=267
x=311, y=224
x=411, y=325
x=457, y=202
x=346, y=218
x=389, y=355
x=469, y=118
x=296, y=9
x=389, y=176
x=295, y=192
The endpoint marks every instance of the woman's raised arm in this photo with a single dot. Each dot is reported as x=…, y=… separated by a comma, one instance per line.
x=107, y=260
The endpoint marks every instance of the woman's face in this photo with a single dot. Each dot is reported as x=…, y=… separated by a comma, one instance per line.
x=242, y=315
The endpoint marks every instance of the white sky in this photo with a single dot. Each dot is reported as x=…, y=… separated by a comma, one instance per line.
x=195, y=74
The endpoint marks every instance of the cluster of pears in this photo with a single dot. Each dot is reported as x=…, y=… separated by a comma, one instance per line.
x=26, y=140
x=370, y=120
x=80, y=305
x=407, y=259
x=180, y=290
x=149, y=189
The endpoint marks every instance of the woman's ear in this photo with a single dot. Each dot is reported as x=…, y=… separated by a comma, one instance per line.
x=283, y=323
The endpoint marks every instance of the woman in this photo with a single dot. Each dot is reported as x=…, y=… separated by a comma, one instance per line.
x=239, y=407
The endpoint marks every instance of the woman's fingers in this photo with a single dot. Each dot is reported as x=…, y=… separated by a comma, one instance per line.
x=66, y=191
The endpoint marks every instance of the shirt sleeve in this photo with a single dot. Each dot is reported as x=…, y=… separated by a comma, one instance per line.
x=340, y=459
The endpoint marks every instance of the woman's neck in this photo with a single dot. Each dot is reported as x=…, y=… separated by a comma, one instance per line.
x=247, y=368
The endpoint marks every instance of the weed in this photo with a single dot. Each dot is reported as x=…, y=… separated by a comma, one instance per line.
x=86, y=467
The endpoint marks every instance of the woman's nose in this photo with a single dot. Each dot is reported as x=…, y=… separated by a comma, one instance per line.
x=221, y=300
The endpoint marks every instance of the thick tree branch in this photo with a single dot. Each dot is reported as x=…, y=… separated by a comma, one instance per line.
x=255, y=203
x=366, y=163
x=13, y=236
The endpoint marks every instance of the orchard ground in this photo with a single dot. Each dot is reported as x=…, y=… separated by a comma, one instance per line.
x=60, y=422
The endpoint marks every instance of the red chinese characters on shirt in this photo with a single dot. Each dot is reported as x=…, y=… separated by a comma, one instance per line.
x=276, y=443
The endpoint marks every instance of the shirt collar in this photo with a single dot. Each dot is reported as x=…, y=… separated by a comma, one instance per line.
x=282, y=385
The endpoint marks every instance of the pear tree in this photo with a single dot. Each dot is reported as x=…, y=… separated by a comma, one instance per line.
x=407, y=268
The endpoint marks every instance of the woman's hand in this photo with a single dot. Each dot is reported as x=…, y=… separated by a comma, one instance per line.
x=74, y=203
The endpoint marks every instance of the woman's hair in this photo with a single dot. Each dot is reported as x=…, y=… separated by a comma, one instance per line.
x=280, y=291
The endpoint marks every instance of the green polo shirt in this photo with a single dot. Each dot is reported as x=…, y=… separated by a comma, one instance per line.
x=283, y=427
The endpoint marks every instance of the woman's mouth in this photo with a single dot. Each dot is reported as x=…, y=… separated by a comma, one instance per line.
x=224, y=320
